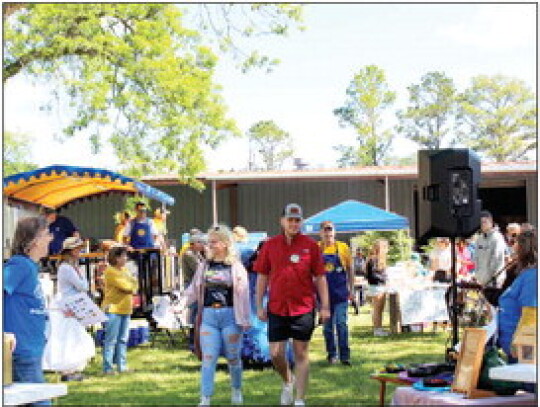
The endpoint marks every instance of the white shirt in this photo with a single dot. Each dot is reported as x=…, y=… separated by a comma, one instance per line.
x=70, y=282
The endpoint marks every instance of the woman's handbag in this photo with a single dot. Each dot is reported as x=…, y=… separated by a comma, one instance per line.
x=500, y=387
x=197, y=337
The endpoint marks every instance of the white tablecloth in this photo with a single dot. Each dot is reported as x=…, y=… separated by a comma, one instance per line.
x=519, y=372
x=407, y=396
x=24, y=393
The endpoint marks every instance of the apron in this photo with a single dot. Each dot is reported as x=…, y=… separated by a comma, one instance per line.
x=336, y=277
x=141, y=236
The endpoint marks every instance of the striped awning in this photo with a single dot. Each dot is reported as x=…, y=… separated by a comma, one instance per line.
x=59, y=185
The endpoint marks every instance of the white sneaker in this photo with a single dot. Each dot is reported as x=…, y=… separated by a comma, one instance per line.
x=299, y=403
x=380, y=332
x=236, y=397
x=287, y=393
x=205, y=401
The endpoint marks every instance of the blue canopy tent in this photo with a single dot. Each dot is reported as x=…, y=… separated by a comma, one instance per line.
x=354, y=216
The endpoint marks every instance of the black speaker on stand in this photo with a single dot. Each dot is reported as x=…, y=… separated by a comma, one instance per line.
x=448, y=205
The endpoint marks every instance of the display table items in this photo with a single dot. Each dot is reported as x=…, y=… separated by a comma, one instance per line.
x=26, y=393
x=407, y=396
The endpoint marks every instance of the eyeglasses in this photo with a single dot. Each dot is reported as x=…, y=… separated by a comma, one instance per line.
x=328, y=228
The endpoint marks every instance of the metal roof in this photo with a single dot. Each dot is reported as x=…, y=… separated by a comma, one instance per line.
x=392, y=172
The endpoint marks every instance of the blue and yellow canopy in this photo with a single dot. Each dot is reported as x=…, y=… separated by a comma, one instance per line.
x=58, y=185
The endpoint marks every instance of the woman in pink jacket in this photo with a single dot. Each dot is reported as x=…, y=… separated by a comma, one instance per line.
x=220, y=286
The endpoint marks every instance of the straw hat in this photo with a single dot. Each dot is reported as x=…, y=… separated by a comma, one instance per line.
x=72, y=243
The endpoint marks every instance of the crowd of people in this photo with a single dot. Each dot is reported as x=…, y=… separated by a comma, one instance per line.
x=290, y=282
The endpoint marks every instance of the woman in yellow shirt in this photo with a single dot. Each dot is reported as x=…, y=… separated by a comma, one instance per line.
x=119, y=287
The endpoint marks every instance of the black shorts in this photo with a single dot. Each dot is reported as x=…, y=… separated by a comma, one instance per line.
x=299, y=327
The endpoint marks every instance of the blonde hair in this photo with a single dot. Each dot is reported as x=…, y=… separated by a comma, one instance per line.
x=224, y=234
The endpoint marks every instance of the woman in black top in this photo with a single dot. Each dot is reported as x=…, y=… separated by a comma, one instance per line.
x=376, y=276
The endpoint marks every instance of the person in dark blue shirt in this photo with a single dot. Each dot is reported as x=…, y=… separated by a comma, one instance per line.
x=61, y=228
x=24, y=303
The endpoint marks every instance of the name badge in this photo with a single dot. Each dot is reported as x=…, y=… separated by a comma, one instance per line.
x=295, y=258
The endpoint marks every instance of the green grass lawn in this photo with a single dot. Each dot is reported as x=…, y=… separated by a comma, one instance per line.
x=170, y=376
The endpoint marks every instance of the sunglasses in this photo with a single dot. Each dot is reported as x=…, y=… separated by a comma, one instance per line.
x=328, y=228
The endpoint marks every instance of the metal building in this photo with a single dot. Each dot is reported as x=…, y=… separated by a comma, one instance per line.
x=255, y=199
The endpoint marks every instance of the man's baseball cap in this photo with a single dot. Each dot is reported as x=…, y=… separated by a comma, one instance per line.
x=292, y=210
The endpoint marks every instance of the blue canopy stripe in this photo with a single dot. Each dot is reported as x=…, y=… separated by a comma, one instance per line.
x=355, y=216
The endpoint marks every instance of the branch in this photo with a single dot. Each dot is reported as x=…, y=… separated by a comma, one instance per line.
x=10, y=8
x=43, y=54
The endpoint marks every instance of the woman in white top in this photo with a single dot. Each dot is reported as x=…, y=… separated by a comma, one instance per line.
x=71, y=278
x=440, y=260
x=66, y=331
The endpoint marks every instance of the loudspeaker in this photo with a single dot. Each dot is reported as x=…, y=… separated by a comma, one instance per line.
x=448, y=204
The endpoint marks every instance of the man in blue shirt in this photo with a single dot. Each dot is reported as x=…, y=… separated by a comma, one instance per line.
x=61, y=228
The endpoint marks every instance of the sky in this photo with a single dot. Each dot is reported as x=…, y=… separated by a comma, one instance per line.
x=405, y=40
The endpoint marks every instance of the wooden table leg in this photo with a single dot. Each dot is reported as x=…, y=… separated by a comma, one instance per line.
x=382, y=393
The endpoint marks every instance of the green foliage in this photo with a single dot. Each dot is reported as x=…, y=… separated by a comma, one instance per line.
x=135, y=75
x=272, y=143
x=16, y=153
x=368, y=96
x=497, y=117
x=234, y=28
x=399, y=243
x=432, y=106
x=130, y=202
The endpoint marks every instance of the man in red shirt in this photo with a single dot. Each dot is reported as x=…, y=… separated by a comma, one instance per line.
x=291, y=266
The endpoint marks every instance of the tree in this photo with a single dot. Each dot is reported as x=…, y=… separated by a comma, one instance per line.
x=368, y=97
x=272, y=143
x=497, y=117
x=432, y=108
x=16, y=153
x=136, y=73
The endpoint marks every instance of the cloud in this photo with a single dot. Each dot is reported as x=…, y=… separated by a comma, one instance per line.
x=496, y=26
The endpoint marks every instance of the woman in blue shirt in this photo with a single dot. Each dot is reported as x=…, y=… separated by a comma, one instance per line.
x=522, y=293
x=24, y=303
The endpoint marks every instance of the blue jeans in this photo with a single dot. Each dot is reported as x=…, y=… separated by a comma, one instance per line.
x=218, y=330
x=338, y=319
x=28, y=370
x=116, y=338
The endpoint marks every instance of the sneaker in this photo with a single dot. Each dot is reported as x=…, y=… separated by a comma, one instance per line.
x=287, y=393
x=236, y=397
x=346, y=362
x=331, y=360
x=205, y=401
x=299, y=403
x=380, y=332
